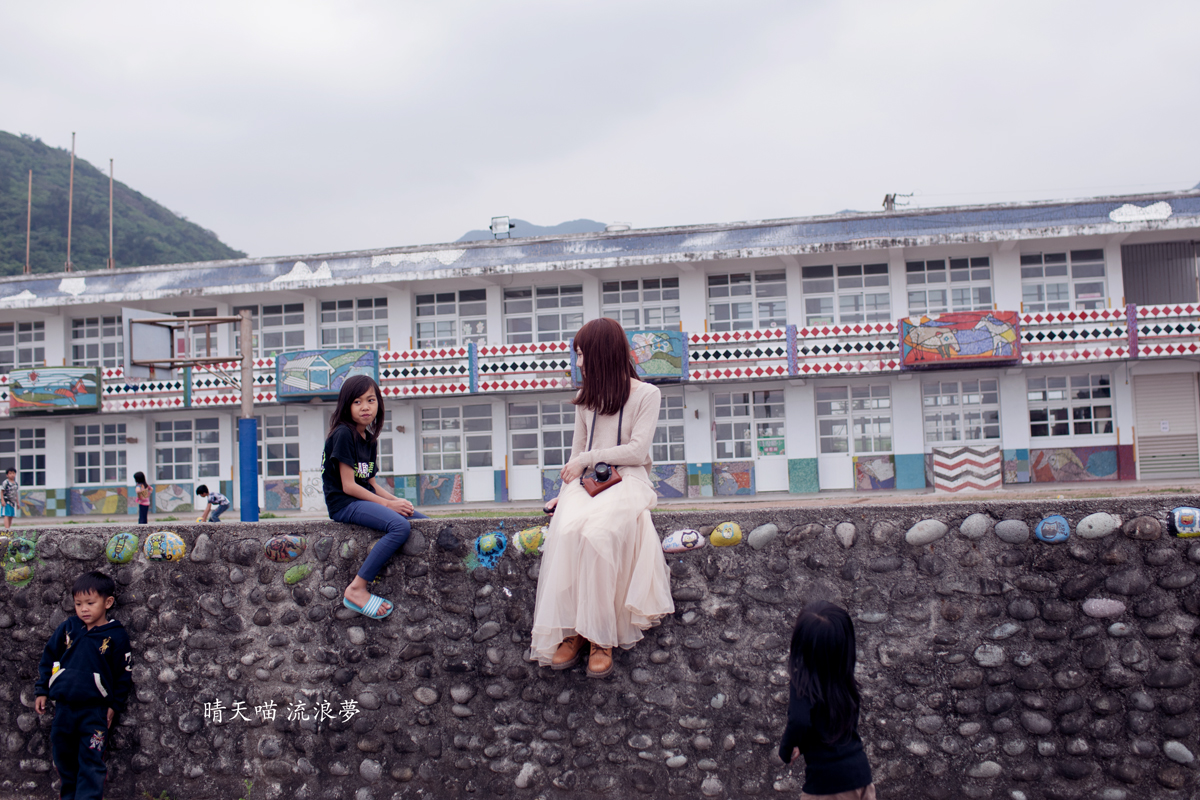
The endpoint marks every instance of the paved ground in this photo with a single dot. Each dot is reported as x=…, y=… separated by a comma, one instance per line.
x=1073, y=491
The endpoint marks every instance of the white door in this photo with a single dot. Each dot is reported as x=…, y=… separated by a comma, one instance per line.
x=1165, y=409
x=851, y=421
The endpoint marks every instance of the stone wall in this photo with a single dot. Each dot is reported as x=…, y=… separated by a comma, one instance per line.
x=992, y=664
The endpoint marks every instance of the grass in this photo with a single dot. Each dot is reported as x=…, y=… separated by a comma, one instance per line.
x=167, y=519
x=249, y=784
x=162, y=796
x=268, y=515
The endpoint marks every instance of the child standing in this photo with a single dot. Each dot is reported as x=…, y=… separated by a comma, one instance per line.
x=10, y=497
x=86, y=670
x=216, y=505
x=352, y=494
x=823, y=707
x=143, y=497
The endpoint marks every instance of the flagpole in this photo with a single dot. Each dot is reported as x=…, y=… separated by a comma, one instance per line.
x=28, y=220
x=110, y=214
x=70, y=201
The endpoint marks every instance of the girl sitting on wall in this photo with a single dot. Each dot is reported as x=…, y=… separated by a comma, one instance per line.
x=353, y=496
x=603, y=577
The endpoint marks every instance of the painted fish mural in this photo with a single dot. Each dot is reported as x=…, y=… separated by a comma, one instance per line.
x=961, y=337
x=54, y=389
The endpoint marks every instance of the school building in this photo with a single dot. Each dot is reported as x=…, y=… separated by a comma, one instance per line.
x=955, y=347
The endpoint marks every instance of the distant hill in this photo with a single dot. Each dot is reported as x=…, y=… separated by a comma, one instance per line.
x=143, y=231
x=524, y=228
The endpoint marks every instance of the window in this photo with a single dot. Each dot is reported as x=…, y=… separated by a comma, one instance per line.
x=278, y=329
x=447, y=319
x=100, y=453
x=279, y=437
x=1070, y=405
x=640, y=305
x=961, y=411
x=201, y=337
x=1063, y=281
x=855, y=420
x=846, y=294
x=965, y=286
x=21, y=346
x=387, y=464
x=547, y=427
x=185, y=449
x=764, y=304
x=668, y=436
x=346, y=324
x=24, y=450
x=540, y=314
x=744, y=419
x=97, y=342
x=477, y=430
x=443, y=431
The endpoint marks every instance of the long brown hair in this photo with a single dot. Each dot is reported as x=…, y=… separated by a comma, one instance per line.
x=608, y=366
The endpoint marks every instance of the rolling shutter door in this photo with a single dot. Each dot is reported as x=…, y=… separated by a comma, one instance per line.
x=1167, y=444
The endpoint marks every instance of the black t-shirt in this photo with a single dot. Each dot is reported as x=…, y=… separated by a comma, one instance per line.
x=345, y=446
x=829, y=767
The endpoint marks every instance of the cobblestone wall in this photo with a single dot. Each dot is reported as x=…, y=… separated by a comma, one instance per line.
x=992, y=664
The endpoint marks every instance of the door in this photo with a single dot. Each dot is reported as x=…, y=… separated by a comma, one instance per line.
x=1166, y=434
x=854, y=422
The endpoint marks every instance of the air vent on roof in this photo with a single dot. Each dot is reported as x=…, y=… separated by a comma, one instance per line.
x=616, y=227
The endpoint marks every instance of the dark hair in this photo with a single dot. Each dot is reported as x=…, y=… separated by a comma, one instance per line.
x=355, y=387
x=10, y=469
x=822, y=660
x=140, y=477
x=95, y=581
x=202, y=489
x=607, y=364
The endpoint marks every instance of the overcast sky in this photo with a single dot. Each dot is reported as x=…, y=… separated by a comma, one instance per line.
x=302, y=127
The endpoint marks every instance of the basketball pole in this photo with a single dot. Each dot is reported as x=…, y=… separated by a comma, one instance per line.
x=248, y=427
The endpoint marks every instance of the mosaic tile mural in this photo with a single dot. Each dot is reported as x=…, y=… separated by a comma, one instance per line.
x=440, y=488
x=173, y=497
x=500, y=486
x=1072, y=464
x=281, y=494
x=551, y=484
x=1016, y=465
x=669, y=480
x=910, y=471
x=101, y=500
x=44, y=503
x=403, y=486
x=802, y=476
x=874, y=472
x=732, y=478
x=700, y=480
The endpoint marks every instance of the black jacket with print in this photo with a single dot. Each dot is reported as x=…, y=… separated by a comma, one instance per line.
x=94, y=667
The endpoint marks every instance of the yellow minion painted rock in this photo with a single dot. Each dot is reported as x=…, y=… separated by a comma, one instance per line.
x=531, y=540
x=164, y=546
x=726, y=534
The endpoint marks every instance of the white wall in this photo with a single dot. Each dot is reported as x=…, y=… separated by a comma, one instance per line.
x=908, y=416
x=697, y=423
x=800, y=419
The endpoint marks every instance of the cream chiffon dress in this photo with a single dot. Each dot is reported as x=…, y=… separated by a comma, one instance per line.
x=603, y=573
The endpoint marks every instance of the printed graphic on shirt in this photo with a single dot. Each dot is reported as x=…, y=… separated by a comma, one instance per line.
x=97, y=742
x=128, y=662
x=363, y=469
x=69, y=642
x=104, y=645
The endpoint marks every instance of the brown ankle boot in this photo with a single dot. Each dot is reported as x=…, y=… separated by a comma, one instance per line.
x=600, y=662
x=568, y=653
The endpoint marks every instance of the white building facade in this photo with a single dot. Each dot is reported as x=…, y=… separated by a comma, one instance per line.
x=795, y=378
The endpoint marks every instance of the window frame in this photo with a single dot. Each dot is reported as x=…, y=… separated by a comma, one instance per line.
x=13, y=355
x=838, y=283
x=28, y=454
x=987, y=411
x=449, y=314
x=1077, y=412
x=669, y=444
x=871, y=399
x=472, y=435
x=556, y=437
x=1071, y=270
x=105, y=334
x=292, y=319
x=200, y=465
x=545, y=303
x=342, y=317
x=639, y=306
x=287, y=437
x=101, y=447
x=957, y=274
x=754, y=410
x=764, y=305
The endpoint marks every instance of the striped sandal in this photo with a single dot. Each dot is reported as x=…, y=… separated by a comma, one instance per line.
x=371, y=608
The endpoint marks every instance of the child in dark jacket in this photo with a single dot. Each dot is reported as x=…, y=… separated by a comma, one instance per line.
x=86, y=671
x=823, y=707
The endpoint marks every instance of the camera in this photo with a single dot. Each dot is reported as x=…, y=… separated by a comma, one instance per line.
x=603, y=472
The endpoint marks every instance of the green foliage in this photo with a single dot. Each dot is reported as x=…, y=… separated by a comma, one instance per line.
x=249, y=784
x=168, y=519
x=144, y=232
x=162, y=796
x=268, y=515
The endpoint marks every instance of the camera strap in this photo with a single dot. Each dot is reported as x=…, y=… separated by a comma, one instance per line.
x=620, y=422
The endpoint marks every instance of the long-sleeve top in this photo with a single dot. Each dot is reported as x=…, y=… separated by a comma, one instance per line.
x=828, y=768
x=637, y=432
x=94, y=666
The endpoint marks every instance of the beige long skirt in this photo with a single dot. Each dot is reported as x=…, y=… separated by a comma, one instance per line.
x=603, y=573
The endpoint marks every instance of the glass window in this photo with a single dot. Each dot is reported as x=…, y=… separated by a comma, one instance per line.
x=647, y=304
x=24, y=449
x=21, y=346
x=1070, y=405
x=845, y=295
x=956, y=284
x=185, y=449
x=97, y=342
x=747, y=301
x=856, y=420
x=349, y=324
x=961, y=411
x=202, y=338
x=1063, y=281
x=748, y=422
x=448, y=319
x=541, y=434
x=99, y=453
x=279, y=445
x=277, y=329
x=542, y=314
x=668, y=435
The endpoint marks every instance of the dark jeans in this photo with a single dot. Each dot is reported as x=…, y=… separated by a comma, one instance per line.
x=78, y=737
x=217, y=511
x=143, y=514
x=372, y=515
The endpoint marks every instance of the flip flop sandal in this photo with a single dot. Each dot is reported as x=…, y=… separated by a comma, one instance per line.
x=371, y=608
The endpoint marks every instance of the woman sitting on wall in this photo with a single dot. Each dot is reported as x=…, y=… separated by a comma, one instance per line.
x=603, y=577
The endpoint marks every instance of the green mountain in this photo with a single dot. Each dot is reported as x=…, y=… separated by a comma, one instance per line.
x=143, y=231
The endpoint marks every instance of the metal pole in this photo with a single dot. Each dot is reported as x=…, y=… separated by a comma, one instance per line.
x=111, y=264
x=28, y=221
x=70, y=201
x=248, y=426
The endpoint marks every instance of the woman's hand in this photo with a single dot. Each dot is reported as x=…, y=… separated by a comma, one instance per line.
x=572, y=471
x=549, y=507
x=401, y=507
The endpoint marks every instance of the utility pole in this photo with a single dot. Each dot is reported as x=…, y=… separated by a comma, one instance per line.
x=248, y=425
x=111, y=264
x=70, y=201
x=28, y=220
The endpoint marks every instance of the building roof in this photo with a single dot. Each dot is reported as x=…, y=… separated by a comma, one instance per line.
x=847, y=231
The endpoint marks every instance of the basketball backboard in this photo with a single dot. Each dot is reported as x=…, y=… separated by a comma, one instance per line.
x=144, y=341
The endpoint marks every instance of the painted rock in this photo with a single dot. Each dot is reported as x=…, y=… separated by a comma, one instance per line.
x=21, y=550
x=285, y=548
x=1053, y=529
x=121, y=548
x=1185, y=522
x=726, y=534
x=489, y=547
x=164, y=546
x=683, y=541
x=19, y=576
x=531, y=540
x=296, y=573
